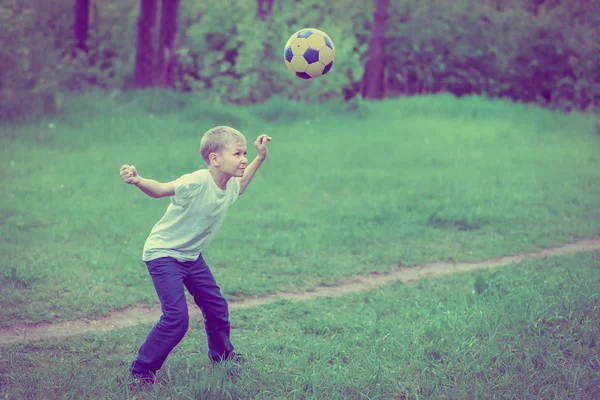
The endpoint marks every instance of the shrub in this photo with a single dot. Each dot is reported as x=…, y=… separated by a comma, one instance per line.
x=527, y=50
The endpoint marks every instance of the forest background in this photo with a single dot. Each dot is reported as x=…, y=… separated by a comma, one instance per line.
x=533, y=51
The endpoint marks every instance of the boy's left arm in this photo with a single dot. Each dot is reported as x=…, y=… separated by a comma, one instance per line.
x=261, y=148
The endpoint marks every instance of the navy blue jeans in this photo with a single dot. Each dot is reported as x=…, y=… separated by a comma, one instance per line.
x=170, y=277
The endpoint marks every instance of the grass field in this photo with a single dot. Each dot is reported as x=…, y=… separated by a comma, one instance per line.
x=344, y=192
x=394, y=183
x=526, y=331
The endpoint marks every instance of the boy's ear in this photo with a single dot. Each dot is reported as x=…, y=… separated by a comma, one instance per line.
x=213, y=159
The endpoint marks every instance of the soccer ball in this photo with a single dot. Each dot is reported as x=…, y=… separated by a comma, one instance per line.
x=309, y=53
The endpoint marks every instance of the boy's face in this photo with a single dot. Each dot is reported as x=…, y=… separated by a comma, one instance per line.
x=232, y=159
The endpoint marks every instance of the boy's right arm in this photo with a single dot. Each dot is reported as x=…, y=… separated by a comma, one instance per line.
x=156, y=189
x=151, y=187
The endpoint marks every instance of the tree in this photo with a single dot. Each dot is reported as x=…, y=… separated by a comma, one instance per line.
x=82, y=22
x=167, y=47
x=264, y=8
x=145, y=49
x=373, y=82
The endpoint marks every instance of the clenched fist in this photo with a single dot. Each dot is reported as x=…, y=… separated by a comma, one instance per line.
x=129, y=175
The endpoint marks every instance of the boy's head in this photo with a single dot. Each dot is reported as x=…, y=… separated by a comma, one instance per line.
x=224, y=147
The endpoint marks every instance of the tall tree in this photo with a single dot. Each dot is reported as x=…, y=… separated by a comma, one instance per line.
x=145, y=50
x=373, y=82
x=167, y=46
x=82, y=23
x=264, y=8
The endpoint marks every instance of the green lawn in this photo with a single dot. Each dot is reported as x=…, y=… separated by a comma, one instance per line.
x=344, y=192
x=525, y=331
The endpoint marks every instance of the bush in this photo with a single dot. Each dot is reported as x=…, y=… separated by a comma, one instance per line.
x=242, y=61
x=527, y=50
x=467, y=47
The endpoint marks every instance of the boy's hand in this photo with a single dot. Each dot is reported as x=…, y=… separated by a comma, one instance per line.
x=129, y=175
x=261, y=146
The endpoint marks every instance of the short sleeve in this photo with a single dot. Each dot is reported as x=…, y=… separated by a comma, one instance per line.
x=186, y=187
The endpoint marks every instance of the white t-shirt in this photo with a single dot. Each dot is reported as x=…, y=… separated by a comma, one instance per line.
x=192, y=218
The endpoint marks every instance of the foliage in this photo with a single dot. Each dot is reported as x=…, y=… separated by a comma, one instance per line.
x=467, y=47
x=242, y=60
x=528, y=50
x=38, y=60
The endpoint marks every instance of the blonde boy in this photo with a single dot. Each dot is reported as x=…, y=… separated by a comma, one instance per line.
x=173, y=250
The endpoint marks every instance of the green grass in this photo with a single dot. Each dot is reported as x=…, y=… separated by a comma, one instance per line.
x=344, y=192
x=524, y=331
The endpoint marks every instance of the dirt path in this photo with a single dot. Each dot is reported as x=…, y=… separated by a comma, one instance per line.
x=148, y=315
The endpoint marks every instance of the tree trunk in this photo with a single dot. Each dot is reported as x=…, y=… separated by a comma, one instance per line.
x=145, y=50
x=167, y=58
x=82, y=23
x=264, y=8
x=373, y=83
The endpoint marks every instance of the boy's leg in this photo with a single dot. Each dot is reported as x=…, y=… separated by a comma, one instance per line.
x=167, y=276
x=207, y=295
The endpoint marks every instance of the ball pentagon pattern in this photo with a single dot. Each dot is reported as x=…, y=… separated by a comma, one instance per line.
x=309, y=53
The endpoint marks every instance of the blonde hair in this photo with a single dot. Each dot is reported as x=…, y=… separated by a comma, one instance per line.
x=215, y=140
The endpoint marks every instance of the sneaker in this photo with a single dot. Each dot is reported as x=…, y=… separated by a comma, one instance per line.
x=234, y=357
x=139, y=381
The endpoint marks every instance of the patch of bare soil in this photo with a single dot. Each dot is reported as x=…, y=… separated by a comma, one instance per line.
x=136, y=315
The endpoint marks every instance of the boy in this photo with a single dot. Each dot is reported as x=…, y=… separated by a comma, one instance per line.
x=173, y=250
